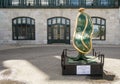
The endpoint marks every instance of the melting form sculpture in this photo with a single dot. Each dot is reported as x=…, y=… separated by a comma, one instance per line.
x=82, y=38
x=82, y=42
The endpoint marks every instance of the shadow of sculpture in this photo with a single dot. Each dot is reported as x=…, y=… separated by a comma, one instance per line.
x=108, y=76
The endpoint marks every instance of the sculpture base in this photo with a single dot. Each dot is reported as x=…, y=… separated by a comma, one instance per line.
x=81, y=68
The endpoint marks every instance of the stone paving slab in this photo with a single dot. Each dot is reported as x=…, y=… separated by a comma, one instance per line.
x=40, y=64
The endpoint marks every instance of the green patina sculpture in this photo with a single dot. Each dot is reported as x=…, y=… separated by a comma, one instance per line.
x=82, y=38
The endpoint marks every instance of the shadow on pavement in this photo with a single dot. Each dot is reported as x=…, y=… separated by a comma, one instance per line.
x=106, y=76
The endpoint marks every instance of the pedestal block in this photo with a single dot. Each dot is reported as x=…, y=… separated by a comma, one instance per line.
x=77, y=68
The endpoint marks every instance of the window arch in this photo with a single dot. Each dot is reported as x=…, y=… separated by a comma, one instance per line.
x=99, y=25
x=58, y=20
x=23, y=28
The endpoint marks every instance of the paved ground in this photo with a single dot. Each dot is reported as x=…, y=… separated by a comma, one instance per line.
x=40, y=64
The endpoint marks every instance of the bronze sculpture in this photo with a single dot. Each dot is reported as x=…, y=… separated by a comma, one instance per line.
x=82, y=37
x=82, y=42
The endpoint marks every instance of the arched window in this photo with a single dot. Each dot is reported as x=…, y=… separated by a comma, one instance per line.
x=99, y=25
x=58, y=30
x=23, y=28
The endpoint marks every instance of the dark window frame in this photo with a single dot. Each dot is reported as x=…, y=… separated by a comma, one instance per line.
x=23, y=28
x=58, y=20
x=99, y=22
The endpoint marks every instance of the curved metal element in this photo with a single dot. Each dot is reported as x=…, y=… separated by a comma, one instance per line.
x=82, y=37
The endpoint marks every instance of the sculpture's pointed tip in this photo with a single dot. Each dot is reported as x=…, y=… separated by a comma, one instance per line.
x=81, y=9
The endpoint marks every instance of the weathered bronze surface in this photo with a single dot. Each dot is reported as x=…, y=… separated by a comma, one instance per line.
x=82, y=37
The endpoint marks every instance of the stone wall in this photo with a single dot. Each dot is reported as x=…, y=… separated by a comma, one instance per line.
x=112, y=17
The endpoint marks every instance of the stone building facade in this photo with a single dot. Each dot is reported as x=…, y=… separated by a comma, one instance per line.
x=42, y=16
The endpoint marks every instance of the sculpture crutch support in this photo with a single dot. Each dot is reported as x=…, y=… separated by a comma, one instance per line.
x=82, y=42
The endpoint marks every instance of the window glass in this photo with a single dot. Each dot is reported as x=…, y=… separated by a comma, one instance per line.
x=102, y=32
x=44, y=2
x=99, y=28
x=58, y=20
x=68, y=22
x=60, y=3
x=57, y=2
x=74, y=2
x=63, y=21
x=54, y=21
x=33, y=22
x=94, y=20
x=96, y=32
x=104, y=2
x=89, y=2
x=67, y=33
x=14, y=21
x=49, y=22
x=63, y=2
x=98, y=20
x=28, y=20
x=23, y=20
x=15, y=2
x=19, y=20
x=49, y=32
x=23, y=30
x=103, y=22
x=30, y=2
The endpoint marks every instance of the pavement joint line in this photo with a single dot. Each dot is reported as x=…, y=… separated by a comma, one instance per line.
x=11, y=46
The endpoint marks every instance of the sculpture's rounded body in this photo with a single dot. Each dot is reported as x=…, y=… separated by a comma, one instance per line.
x=82, y=38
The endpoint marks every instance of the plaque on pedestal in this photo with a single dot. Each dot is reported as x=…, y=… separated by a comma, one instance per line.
x=83, y=69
